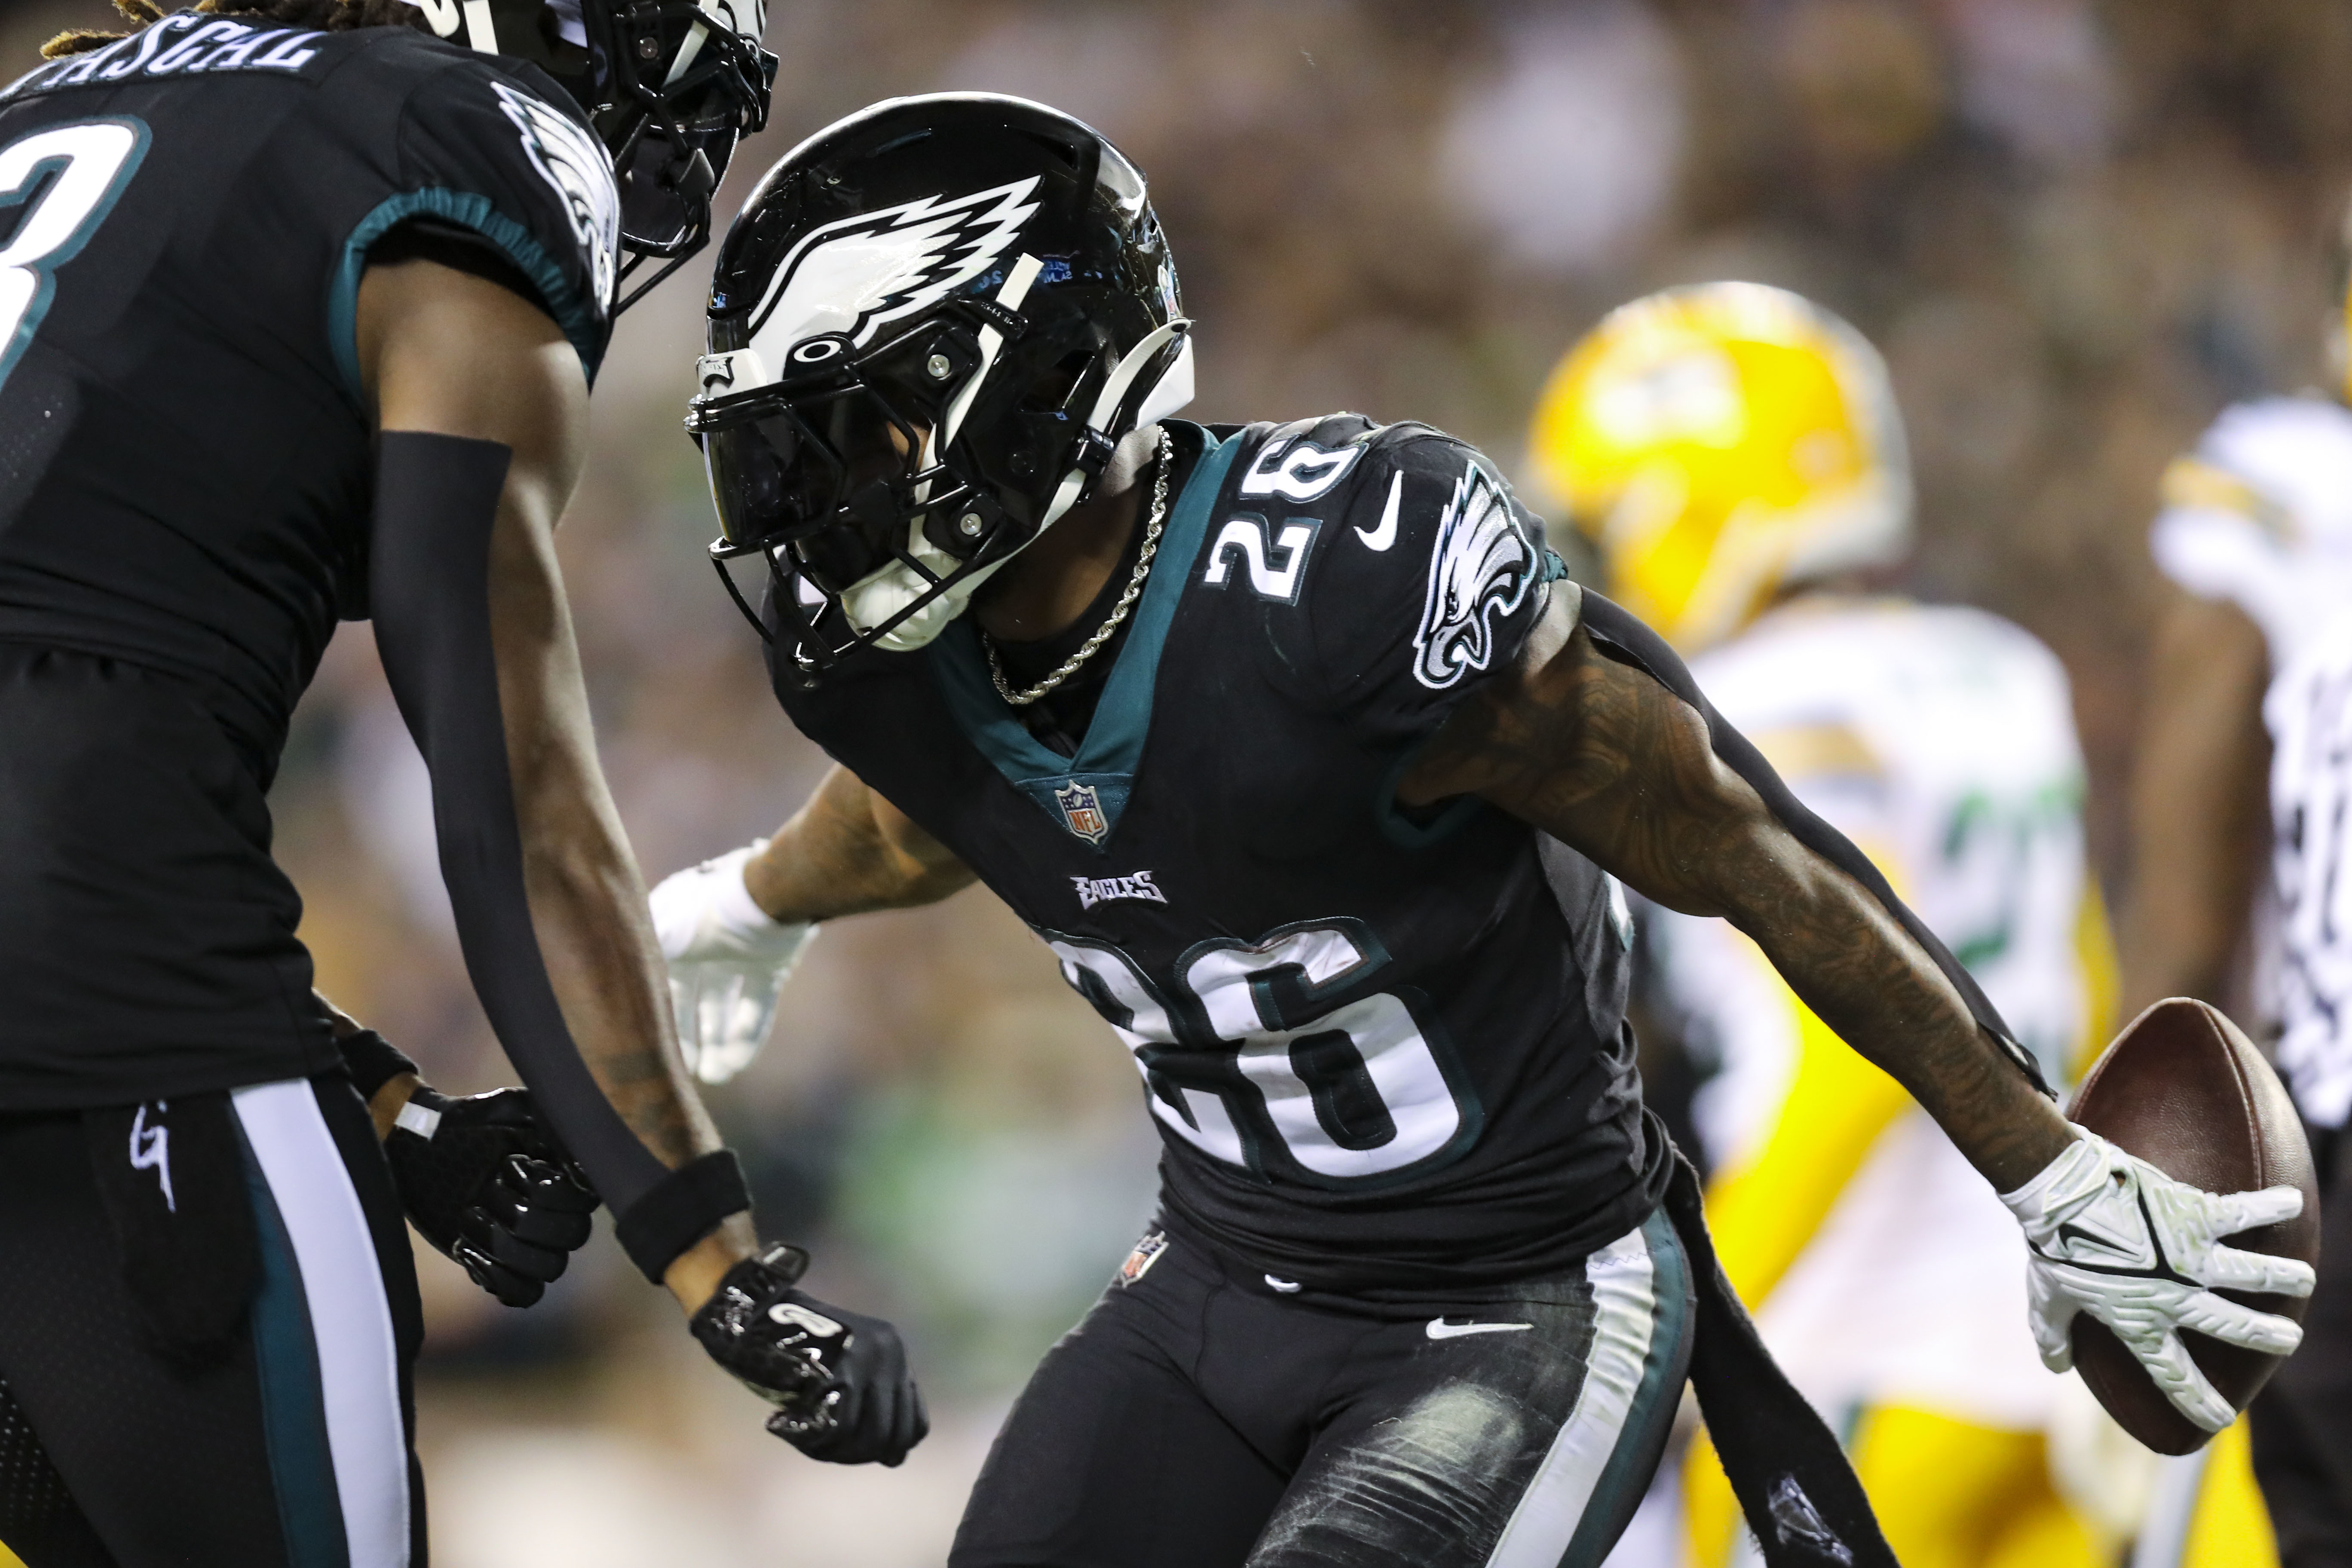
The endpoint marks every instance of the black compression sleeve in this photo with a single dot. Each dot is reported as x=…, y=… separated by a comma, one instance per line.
x=436, y=498
x=373, y=1061
x=1621, y=635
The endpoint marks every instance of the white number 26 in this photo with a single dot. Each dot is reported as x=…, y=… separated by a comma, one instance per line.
x=1271, y=1056
x=58, y=185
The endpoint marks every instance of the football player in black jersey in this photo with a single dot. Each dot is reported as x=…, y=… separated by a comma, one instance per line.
x=299, y=308
x=1299, y=749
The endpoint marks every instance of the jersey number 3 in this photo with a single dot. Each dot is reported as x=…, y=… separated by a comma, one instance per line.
x=1249, y=1060
x=56, y=187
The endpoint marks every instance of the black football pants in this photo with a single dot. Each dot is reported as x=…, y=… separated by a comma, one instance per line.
x=291, y=1448
x=2302, y=1423
x=1200, y=1417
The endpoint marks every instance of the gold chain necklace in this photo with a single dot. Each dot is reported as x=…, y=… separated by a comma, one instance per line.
x=1118, y=612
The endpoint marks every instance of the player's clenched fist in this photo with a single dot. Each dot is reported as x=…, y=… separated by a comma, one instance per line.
x=839, y=1380
x=490, y=1189
x=2112, y=1235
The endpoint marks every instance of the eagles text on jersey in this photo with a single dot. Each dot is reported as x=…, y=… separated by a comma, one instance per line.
x=1384, y=1050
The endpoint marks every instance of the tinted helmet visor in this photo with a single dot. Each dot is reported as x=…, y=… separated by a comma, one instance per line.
x=830, y=474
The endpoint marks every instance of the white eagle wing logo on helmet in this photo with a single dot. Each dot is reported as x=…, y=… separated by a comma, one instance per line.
x=851, y=276
x=579, y=169
x=1481, y=567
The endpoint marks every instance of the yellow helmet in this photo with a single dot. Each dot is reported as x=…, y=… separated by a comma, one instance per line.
x=1719, y=443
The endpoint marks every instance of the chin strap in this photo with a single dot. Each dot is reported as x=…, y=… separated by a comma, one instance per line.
x=1081, y=480
x=892, y=589
x=1011, y=296
x=748, y=17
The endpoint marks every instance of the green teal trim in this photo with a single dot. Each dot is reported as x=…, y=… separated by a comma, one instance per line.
x=1622, y=1480
x=1113, y=747
x=293, y=1398
x=1396, y=828
x=573, y=314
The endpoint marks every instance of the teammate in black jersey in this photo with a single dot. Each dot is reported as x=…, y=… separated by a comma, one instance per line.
x=1295, y=745
x=299, y=305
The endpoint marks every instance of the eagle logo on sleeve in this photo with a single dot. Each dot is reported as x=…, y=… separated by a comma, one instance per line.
x=848, y=278
x=576, y=167
x=1480, y=569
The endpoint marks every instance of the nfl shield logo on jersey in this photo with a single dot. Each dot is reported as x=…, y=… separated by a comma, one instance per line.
x=1082, y=812
x=1140, y=1261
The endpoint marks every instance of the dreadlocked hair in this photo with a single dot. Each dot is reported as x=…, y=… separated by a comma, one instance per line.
x=324, y=15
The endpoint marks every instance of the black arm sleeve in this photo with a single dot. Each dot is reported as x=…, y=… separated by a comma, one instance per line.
x=436, y=498
x=1625, y=637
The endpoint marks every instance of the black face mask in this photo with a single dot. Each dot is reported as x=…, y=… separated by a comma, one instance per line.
x=675, y=91
x=670, y=89
x=930, y=326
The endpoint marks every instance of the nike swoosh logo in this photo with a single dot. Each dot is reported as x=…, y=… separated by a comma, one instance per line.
x=1383, y=536
x=1439, y=1329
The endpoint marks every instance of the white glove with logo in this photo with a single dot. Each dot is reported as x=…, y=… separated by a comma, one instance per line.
x=2113, y=1237
x=728, y=961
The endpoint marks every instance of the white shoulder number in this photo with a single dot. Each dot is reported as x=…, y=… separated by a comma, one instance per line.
x=71, y=177
x=1298, y=471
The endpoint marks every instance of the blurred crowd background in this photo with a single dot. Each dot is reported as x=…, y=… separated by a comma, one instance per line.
x=2075, y=230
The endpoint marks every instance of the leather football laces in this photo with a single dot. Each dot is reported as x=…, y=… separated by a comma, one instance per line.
x=1163, y=461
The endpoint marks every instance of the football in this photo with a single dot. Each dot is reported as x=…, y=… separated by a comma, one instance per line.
x=2183, y=1089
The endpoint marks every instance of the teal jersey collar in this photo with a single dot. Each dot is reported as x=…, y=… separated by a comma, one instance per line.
x=1086, y=793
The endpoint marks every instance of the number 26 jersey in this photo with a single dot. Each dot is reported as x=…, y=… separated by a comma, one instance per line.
x=1385, y=1050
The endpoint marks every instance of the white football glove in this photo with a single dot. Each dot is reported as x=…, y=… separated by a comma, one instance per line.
x=728, y=961
x=2112, y=1235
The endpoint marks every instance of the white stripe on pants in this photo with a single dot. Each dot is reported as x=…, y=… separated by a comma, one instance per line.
x=359, y=1365
x=1625, y=1303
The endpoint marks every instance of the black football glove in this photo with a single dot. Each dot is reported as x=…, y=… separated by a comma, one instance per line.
x=839, y=1380
x=490, y=1189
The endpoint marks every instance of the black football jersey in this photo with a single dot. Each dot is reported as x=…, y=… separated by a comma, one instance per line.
x=185, y=477
x=1384, y=1050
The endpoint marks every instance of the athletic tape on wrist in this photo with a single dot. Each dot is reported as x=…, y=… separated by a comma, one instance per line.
x=373, y=1061
x=679, y=1210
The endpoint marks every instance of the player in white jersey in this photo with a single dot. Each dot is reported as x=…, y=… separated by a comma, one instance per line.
x=2246, y=738
x=2308, y=713
x=1735, y=454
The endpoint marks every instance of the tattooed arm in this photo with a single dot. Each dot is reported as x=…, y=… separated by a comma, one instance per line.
x=1604, y=757
x=846, y=851
x=1581, y=741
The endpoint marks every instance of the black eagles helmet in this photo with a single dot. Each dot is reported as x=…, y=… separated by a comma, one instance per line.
x=671, y=85
x=929, y=327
